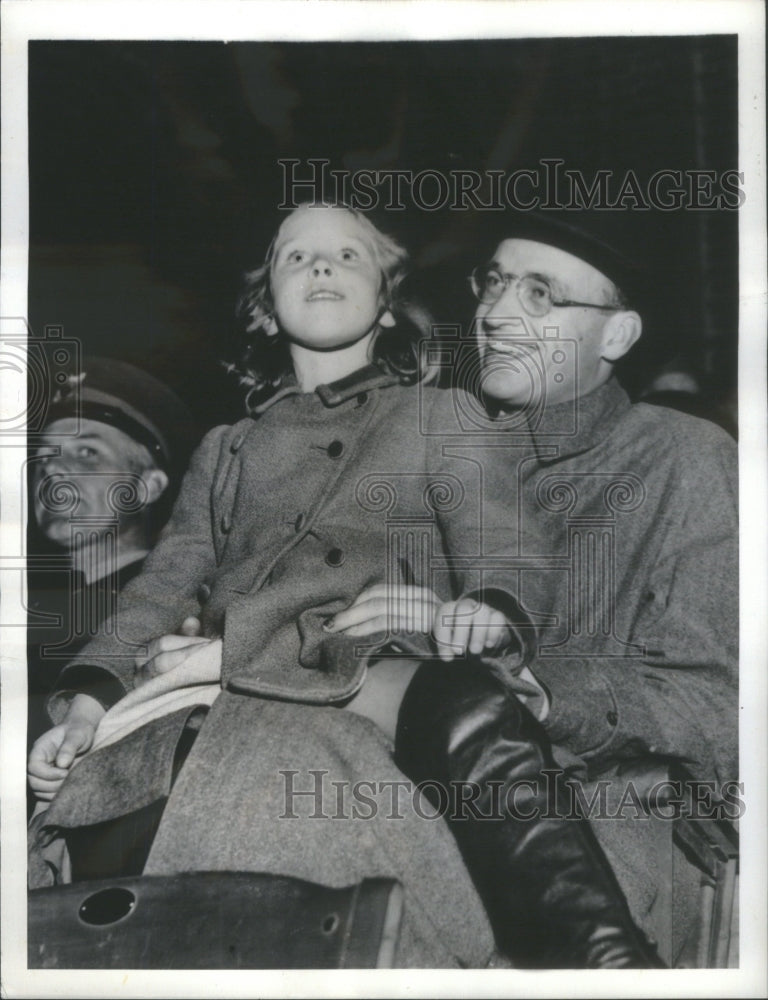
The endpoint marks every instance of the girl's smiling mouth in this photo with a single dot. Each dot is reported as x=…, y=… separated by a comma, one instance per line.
x=324, y=294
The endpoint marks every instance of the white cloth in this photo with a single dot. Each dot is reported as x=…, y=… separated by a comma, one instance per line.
x=191, y=683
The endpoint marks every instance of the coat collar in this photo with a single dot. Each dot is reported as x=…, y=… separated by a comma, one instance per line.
x=335, y=393
x=595, y=416
x=364, y=379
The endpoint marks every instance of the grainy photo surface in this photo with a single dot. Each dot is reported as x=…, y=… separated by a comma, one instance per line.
x=376, y=415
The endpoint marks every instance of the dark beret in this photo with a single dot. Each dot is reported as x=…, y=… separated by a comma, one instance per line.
x=123, y=396
x=610, y=241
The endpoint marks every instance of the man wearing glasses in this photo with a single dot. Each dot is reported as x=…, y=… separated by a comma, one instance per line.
x=628, y=539
x=623, y=529
x=527, y=309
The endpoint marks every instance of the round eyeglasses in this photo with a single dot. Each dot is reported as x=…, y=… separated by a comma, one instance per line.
x=535, y=295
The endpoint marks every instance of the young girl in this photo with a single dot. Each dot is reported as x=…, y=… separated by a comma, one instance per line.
x=282, y=522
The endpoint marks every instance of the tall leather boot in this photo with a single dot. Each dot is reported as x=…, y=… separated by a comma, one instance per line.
x=549, y=892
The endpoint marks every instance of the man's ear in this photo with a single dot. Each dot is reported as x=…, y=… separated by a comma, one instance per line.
x=156, y=482
x=621, y=331
x=387, y=319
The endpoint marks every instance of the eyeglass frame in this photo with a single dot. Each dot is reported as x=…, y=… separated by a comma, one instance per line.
x=508, y=280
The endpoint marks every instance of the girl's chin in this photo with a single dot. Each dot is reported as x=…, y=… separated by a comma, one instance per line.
x=331, y=340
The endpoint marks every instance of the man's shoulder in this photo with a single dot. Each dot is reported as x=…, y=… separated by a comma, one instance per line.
x=676, y=430
x=672, y=447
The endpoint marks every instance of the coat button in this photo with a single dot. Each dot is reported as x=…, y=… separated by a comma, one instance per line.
x=298, y=524
x=203, y=593
x=362, y=398
x=335, y=557
x=237, y=443
x=226, y=524
x=335, y=449
x=612, y=718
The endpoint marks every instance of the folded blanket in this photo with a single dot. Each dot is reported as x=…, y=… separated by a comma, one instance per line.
x=193, y=682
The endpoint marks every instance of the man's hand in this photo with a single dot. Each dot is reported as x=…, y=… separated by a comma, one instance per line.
x=467, y=626
x=53, y=753
x=171, y=651
x=385, y=608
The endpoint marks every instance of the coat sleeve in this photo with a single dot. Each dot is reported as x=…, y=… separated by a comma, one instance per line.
x=680, y=699
x=471, y=497
x=157, y=601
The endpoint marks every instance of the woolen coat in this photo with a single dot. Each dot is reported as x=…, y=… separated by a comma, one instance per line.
x=281, y=522
x=627, y=520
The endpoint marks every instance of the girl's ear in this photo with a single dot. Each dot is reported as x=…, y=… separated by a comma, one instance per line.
x=387, y=319
x=270, y=326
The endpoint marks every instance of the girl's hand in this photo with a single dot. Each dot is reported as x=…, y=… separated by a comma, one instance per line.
x=387, y=608
x=457, y=627
x=467, y=626
x=171, y=651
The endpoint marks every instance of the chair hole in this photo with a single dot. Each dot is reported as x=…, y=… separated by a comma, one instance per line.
x=107, y=906
x=330, y=923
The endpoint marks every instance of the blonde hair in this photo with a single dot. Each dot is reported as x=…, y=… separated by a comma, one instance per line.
x=264, y=361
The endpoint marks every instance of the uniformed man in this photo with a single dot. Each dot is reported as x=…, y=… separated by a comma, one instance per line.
x=101, y=477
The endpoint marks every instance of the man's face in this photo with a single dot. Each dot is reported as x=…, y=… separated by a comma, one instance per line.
x=92, y=457
x=532, y=360
x=325, y=279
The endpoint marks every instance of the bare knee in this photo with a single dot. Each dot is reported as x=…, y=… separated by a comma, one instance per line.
x=380, y=696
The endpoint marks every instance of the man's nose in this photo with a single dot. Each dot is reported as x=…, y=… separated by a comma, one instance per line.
x=51, y=465
x=505, y=318
x=505, y=312
x=56, y=489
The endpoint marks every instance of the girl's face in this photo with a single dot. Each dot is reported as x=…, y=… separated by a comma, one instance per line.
x=325, y=279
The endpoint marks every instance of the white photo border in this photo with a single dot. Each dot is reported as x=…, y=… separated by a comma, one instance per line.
x=361, y=20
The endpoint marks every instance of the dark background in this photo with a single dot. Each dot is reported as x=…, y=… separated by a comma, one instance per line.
x=154, y=177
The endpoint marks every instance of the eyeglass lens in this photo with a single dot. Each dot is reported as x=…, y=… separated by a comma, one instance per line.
x=534, y=295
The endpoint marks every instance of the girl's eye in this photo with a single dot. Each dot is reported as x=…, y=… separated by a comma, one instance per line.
x=297, y=257
x=349, y=254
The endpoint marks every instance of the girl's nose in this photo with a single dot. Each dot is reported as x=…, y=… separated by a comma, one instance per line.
x=321, y=266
